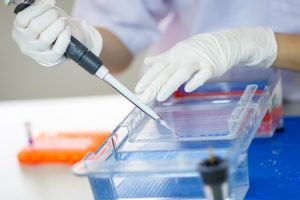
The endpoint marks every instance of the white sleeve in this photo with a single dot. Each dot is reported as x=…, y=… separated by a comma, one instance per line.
x=134, y=22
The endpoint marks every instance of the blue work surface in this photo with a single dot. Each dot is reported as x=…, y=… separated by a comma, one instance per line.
x=274, y=164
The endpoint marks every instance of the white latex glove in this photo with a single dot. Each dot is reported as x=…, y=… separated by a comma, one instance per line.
x=43, y=32
x=204, y=56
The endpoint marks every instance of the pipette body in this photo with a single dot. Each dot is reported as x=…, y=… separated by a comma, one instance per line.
x=91, y=63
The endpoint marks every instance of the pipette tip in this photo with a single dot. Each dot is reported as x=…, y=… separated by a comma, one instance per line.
x=166, y=125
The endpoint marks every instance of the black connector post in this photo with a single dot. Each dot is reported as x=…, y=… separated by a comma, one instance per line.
x=214, y=175
x=76, y=51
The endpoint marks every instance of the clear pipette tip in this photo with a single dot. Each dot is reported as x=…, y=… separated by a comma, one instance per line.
x=166, y=125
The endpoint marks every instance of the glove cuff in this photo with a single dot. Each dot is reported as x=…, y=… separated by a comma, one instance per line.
x=264, y=47
x=271, y=49
x=93, y=39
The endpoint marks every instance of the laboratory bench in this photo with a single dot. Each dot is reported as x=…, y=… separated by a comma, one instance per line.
x=273, y=165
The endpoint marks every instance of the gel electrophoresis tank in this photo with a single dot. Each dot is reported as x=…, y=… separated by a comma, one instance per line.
x=143, y=160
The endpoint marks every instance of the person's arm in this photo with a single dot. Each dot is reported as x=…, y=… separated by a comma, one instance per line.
x=288, y=51
x=115, y=55
x=204, y=56
x=127, y=27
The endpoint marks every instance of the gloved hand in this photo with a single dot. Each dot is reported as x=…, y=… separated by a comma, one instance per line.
x=204, y=56
x=43, y=32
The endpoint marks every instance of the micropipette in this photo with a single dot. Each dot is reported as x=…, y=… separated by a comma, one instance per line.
x=92, y=64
